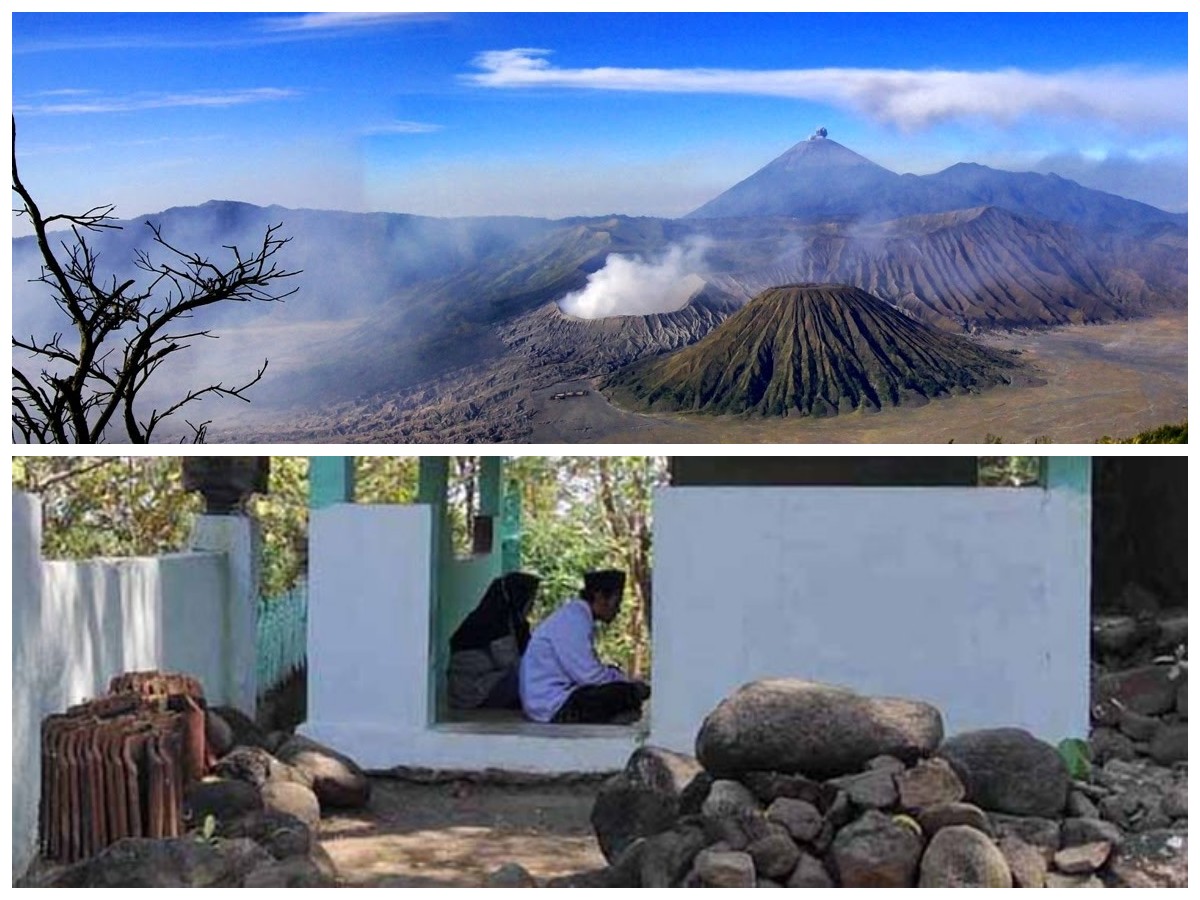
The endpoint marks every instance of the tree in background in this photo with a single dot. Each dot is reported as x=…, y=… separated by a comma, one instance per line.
x=110, y=505
x=122, y=335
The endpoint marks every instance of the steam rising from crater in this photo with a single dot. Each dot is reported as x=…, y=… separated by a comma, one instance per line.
x=638, y=286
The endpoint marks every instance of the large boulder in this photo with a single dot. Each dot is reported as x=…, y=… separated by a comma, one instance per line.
x=222, y=798
x=257, y=767
x=1008, y=770
x=876, y=851
x=1149, y=690
x=1170, y=745
x=819, y=730
x=874, y=789
x=166, y=863
x=293, y=800
x=942, y=815
x=336, y=779
x=280, y=834
x=960, y=856
x=641, y=800
x=293, y=872
x=775, y=855
x=802, y=820
x=810, y=873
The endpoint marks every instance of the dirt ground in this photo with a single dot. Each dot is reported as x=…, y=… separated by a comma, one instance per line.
x=455, y=834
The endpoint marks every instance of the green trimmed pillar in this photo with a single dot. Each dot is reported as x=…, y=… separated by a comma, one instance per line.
x=330, y=480
x=510, y=528
x=1071, y=473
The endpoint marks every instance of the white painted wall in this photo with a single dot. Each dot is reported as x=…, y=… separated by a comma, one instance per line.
x=974, y=599
x=369, y=624
x=77, y=624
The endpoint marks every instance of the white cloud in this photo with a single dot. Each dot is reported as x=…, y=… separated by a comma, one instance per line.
x=141, y=102
x=404, y=128
x=909, y=99
x=327, y=21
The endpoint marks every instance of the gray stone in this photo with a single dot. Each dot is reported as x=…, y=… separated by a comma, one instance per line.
x=794, y=726
x=1082, y=858
x=1080, y=806
x=642, y=800
x=166, y=863
x=1137, y=727
x=931, y=782
x=770, y=786
x=1169, y=745
x=223, y=799
x=1150, y=690
x=296, y=872
x=775, y=856
x=1076, y=831
x=626, y=870
x=839, y=811
x=934, y=818
x=217, y=733
x=727, y=797
x=294, y=800
x=1117, y=635
x=810, y=873
x=336, y=779
x=1172, y=633
x=258, y=767
x=871, y=790
x=692, y=797
x=1061, y=880
x=1175, y=801
x=669, y=854
x=802, y=820
x=280, y=834
x=1108, y=743
x=511, y=875
x=1042, y=834
x=1027, y=864
x=737, y=831
x=1009, y=770
x=960, y=856
x=886, y=763
x=725, y=869
x=875, y=851
x=1181, y=700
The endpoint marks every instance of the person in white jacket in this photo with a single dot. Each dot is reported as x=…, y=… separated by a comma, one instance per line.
x=562, y=679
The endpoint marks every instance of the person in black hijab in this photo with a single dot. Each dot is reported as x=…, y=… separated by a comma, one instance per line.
x=486, y=649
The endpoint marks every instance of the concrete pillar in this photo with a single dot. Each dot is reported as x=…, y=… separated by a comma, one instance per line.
x=330, y=480
x=26, y=682
x=240, y=539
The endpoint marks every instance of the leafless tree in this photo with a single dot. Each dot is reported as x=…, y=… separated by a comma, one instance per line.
x=121, y=334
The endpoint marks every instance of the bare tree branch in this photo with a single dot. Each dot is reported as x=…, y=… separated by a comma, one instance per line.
x=125, y=334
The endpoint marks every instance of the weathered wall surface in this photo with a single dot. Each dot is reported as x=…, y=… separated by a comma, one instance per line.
x=371, y=607
x=77, y=624
x=975, y=599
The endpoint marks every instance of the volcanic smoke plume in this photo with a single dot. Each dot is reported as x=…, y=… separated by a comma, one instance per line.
x=637, y=286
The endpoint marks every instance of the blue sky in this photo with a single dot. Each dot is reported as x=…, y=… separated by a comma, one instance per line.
x=564, y=114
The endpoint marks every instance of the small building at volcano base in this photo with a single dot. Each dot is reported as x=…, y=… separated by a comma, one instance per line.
x=895, y=576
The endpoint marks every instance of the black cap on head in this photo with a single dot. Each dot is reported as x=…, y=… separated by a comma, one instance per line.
x=605, y=581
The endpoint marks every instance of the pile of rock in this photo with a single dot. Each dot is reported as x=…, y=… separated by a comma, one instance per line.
x=252, y=824
x=1139, y=688
x=799, y=784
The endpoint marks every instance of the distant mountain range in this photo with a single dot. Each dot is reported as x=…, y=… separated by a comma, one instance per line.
x=819, y=180
x=970, y=248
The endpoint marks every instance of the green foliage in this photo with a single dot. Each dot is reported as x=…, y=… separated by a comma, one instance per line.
x=1163, y=434
x=283, y=516
x=108, y=506
x=1077, y=755
x=1009, y=471
x=582, y=513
